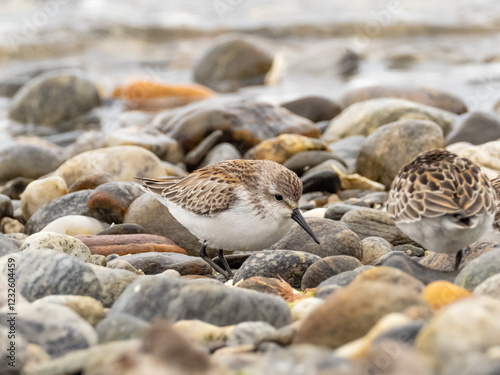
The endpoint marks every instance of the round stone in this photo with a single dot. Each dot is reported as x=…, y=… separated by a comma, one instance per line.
x=326, y=268
x=40, y=192
x=58, y=242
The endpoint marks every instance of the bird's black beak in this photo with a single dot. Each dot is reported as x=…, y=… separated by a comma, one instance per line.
x=297, y=217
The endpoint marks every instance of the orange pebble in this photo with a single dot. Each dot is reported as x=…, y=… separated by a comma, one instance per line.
x=442, y=293
x=142, y=90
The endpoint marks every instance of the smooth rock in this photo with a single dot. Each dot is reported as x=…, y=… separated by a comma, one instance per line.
x=153, y=216
x=109, y=202
x=284, y=146
x=113, y=282
x=40, y=273
x=364, y=117
x=119, y=229
x=461, y=329
x=28, y=161
x=86, y=307
x=51, y=99
x=57, y=329
x=269, y=285
x=314, y=108
x=326, y=268
x=391, y=146
x=176, y=299
x=373, y=248
x=327, y=180
x=350, y=313
x=245, y=123
x=123, y=244
x=424, y=95
x=288, y=265
x=221, y=152
x=40, y=192
x=58, y=242
x=335, y=239
x=249, y=333
x=7, y=246
x=123, y=163
x=479, y=269
x=391, y=276
x=233, y=62
x=368, y=222
x=152, y=263
x=73, y=225
x=120, y=327
x=69, y=204
x=305, y=160
x=441, y=293
x=90, y=181
x=476, y=128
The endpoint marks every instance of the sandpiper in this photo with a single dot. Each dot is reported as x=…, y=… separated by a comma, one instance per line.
x=442, y=201
x=239, y=205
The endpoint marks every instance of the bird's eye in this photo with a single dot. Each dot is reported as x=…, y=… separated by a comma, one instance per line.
x=278, y=197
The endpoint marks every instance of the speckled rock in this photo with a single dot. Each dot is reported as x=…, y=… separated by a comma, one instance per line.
x=51, y=99
x=231, y=63
x=441, y=293
x=40, y=273
x=109, y=202
x=423, y=95
x=123, y=163
x=113, y=282
x=7, y=246
x=69, y=204
x=314, y=108
x=475, y=128
x=176, y=299
x=73, y=225
x=40, y=192
x=326, y=268
x=392, y=276
x=284, y=146
x=88, y=308
x=335, y=239
x=120, y=327
x=368, y=222
x=28, y=160
x=489, y=287
x=479, y=269
x=392, y=146
x=364, y=117
x=269, y=285
x=58, y=242
x=153, y=262
x=373, y=248
x=153, y=216
x=90, y=181
x=287, y=265
x=352, y=312
x=244, y=123
x=57, y=329
x=123, y=244
x=449, y=337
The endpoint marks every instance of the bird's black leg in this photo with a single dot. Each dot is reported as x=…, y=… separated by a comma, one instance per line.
x=215, y=266
x=220, y=254
x=458, y=259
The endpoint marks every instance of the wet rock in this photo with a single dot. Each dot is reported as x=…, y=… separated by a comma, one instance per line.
x=287, y=265
x=461, y=329
x=40, y=273
x=123, y=163
x=123, y=244
x=15, y=187
x=152, y=263
x=221, y=152
x=120, y=327
x=326, y=268
x=284, y=146
x=51, y=99
x=391, y=276
x=305, y=160
x=244, y=123
x=90, y=181
x=364, y=117
x=368, y=222
x=476, y=128
x=335, y=239
x=327, y=180
x=350, y=313
x=446, y=262
x=123, y=229
x=314, y=108
x=153, y=216
x=269, y=285
x=441, y=293
x=423, y=95
x=58, y=242
x=373, y=248
x=487, y=155
x=57, y=329
x=73, y=225
x=249, y=333
x=69, y=204
x=231, y=63
x=113, y=282
x=176, y=299
x=392, y=146
x=479, y=269
x=40, y=192
x=109, y=202
x=28, y=161
x=86, y=307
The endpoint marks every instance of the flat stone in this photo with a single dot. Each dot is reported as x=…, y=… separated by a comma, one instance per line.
x=58, y=242
x=326, y=268
x=154, y=262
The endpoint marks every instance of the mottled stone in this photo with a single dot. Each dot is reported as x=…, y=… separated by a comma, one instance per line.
x=153, y=262
x=479, y=270
x=153, y=297
x=113, y=282
x=314, y=108
x=40, y=192
x=73, y=225
x=392, y=146
x=335, y=239
x=475, y=128
x=373, y=248
x=90, y=309
x=326, y=268
x=287, y=265
x=58, y=242
x=120, y=327
x=90, y=181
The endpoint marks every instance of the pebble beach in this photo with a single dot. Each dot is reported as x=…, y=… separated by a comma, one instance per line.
x=98, y=278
